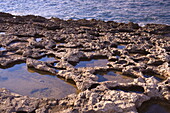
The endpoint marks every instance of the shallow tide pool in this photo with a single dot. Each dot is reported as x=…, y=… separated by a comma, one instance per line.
x=113, y=76
x=92, y=63
x=25, y=81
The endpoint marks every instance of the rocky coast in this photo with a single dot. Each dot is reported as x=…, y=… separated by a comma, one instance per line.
x=116, y=67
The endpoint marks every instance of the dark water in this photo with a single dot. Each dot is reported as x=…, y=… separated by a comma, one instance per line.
x=155, y=106
x=138, y=11
x=157, y=77
x=30, y=82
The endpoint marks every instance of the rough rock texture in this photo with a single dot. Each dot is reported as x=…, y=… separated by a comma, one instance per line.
x=133, y=50
x=11, y=102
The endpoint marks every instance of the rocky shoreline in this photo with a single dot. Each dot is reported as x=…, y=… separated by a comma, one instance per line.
x=132, y=50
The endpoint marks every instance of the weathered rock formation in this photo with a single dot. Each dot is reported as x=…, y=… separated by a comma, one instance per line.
x=133, y=50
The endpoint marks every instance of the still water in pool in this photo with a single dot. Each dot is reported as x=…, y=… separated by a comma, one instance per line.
x=28, y=82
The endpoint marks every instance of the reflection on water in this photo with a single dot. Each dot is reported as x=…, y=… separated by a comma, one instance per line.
x=33, y=70
x=47, y=58
x=28, y=82
x=92, y=63
x=38, y=39
x=155, y=106
x=157, y=77
x=2, y=49
x=112, y=76
x=121, y=46
x=2, y=33
x=117, y=56
x=3, y=79
x=59, y=44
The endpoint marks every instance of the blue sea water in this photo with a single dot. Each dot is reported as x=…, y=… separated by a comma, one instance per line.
x=138, y=11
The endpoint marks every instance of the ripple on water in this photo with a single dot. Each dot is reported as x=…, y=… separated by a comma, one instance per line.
x=143, y=11
x=25, y=81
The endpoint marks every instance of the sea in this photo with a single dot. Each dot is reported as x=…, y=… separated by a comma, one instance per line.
x=137, y=11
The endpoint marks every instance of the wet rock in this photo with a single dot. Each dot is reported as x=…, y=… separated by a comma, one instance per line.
x=128, y=27
x=156, y=28
x=74, y=56
x=63, y=64
x=164, y=70
x=132, y=71
x=15, y=102
x=40, y=65
x=10, y=60
x=12, y=102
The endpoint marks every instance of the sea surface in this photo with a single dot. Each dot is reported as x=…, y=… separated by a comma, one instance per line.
x=138, y=11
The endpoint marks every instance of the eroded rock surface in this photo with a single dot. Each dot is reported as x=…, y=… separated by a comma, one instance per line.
x=142, y=53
